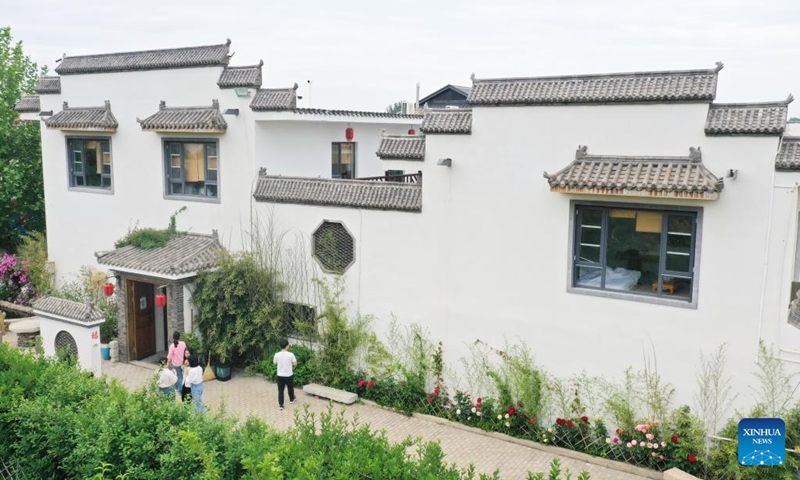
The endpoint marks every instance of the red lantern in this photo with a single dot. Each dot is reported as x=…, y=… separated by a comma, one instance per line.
x=161, y=300
x=108, y=289
x=348, y=133
x=411, y=131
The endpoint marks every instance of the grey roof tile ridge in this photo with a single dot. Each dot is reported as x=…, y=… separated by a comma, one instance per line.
x=195, y=47
x=778, y=103
x=602, y=75
x=243, y=67
x=354, y=112
x=349, y=181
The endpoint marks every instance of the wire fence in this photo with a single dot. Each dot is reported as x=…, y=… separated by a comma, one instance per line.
x=9, y=471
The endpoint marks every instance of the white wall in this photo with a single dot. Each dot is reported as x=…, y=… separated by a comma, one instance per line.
x=303, y=149
x=87, y=339
x=487, y=259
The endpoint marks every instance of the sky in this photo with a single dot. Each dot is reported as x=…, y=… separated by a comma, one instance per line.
x=365, y=55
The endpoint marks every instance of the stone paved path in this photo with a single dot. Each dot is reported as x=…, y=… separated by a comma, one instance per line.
x=252, y=395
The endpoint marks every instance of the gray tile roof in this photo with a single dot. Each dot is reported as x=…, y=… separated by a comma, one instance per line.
x=84, y=118
x=48, y=85
x=447, y=121
x=233, y=77
x=185, y=119
x=670, y=177
x=267, y=99
x=788, y=157
x=185, y=253
x=28, y=103
x=355, y=113
x=395, y=147
x=747, y=118
x=81, y=312
x=340, y=193
x=203, y=56
x=670, y=86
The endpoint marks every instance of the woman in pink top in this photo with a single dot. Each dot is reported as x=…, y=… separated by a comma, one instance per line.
x=175, y=356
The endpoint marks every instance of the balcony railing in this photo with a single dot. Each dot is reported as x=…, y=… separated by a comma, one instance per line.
x=406, y=178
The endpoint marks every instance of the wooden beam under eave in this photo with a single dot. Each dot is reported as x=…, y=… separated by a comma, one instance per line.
x=73, y=129
x=183, y=130
x=608, y=192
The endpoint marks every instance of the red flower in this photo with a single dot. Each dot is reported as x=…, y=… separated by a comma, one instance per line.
x=560, y=421
x=478, y=402
x=692, y=457
x=569, y=423
x=436, y=391
x=532, y=420
x=430, y=399
x=585, y=418
x=616, y=431
x=360, y=382
x=512, y=410
x=674, y=439
x=370, y=384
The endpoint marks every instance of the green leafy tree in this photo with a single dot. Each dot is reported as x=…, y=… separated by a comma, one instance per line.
x=21, y=185
x=396, y=107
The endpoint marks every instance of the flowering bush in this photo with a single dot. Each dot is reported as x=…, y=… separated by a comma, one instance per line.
x=15, y=286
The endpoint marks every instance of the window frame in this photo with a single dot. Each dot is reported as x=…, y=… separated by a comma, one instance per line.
x=573, y=263
x=355, y=158
x=168, y=179
x=71, y=185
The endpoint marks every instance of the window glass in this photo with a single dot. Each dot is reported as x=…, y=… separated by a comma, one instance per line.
x=90, y=162
x=648, y=252
x=192, y=168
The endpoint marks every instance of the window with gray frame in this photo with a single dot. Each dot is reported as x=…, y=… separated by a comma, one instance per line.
x=634, y=250
x=89, y=162
x=192, y=168
x=343, y=160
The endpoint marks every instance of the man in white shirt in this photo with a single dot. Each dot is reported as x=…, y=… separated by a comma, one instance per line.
x=285, y=360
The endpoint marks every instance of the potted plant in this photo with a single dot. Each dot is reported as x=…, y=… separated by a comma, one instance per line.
x=108, y=330
x=221, y=351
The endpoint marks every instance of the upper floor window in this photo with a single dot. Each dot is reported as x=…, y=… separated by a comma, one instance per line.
x=89, y=162
x=192, y=168
x=343, y=160
x=633, y=250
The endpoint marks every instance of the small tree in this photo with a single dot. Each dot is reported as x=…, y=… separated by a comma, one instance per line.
x=238, y=303
x=21, y=184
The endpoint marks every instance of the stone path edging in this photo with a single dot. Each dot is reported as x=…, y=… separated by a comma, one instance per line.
x=558, y=451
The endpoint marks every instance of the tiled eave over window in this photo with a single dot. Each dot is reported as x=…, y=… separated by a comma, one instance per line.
x=393, y=147
x=185, y=119
x=362, y=194
x=661, y=177
x=85, y=119
x=788, y=157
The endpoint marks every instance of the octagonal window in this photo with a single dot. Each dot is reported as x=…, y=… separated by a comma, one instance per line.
x=334, y=247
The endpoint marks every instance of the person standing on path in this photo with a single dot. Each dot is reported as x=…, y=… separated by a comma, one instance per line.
x=175, y=356
x=167, y=379
x=194, y=380
x=285, y=360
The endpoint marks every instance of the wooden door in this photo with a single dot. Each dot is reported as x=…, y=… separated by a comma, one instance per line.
x=141, y=319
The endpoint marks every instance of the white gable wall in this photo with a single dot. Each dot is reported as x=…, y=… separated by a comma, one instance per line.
x=488, y=257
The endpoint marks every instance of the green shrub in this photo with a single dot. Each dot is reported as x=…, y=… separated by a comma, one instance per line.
x=58, y=422
x=33, y=252
x=302, y=372
x=145, y=238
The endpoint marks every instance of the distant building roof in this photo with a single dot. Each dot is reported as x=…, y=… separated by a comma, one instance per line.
x=185, y=119
x=267, y=99
x=84, y=118
x=48, y=85
x=202, y=56
x=747, y=118
x=788, y=157
x=666, y=177
x=447, y=121
x=233, y=77
x=28, y=103
x=80, y=312
x=340, y=193
x=184, y=255
x=394, y=147
x=668, y=86
x=454, y=95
